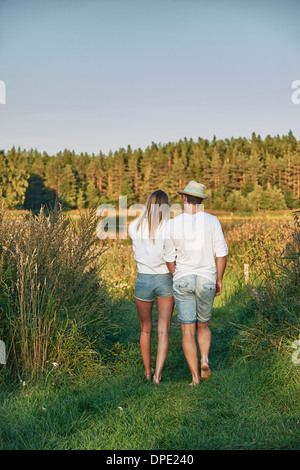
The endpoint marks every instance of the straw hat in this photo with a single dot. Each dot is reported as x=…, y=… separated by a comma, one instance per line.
x=194, y=189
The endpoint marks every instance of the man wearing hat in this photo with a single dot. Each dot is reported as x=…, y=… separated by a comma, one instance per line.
x=192, y=241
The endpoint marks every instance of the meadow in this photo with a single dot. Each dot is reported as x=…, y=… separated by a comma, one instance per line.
x=74, y=375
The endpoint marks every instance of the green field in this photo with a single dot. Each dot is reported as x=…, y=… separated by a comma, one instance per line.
x=242, y=406
x=250, y=402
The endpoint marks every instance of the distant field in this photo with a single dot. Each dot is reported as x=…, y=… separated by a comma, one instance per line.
x=227, y=219
x=220, y=214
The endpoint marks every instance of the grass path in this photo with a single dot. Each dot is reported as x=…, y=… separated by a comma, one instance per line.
x=236, y=408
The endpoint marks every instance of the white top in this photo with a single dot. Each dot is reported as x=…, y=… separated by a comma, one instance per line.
x=149, y=257
x=193, y=241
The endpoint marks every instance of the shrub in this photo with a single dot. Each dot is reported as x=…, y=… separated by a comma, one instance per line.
x=273, y=325
x=52, y=299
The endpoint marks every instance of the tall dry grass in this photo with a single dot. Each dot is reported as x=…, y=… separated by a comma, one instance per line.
x=52, y=299
x=272, y=324
x=249, y=241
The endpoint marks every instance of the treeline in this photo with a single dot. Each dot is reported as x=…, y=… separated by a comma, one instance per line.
x=239, y=174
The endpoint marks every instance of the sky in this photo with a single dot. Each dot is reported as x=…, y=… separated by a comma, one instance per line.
x=98, y=75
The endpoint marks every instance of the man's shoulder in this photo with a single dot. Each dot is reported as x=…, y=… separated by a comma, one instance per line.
x=211, y=218
x=211, y=222
x=175, y=219
x=208, y=215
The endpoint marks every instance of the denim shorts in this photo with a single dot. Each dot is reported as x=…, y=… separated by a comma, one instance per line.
x=150, y=286
x=194, y=297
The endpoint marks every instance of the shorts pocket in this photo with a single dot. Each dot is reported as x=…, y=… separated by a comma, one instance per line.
x=182, y=289
x=180, y=285
x=209, y=286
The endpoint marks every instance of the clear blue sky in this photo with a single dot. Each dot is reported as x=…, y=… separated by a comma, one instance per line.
x=94, y=75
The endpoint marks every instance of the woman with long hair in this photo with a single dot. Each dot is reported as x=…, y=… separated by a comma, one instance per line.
x=154, y=280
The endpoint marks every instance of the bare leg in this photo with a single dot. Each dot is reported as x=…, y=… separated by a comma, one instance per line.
x=189, y=347
x=204, y=340
x=165, y=307
x=145, y=316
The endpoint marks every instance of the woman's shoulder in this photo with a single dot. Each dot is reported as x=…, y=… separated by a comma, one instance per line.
x=134, y=228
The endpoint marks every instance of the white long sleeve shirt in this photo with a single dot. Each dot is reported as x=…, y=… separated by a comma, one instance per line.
x=193, y=241
x=149, y=257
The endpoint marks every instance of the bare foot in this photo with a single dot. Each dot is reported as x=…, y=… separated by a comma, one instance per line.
x=156, y=380
x=205, y=371
x=195, y=383
x=148, y=376
x=196, y=379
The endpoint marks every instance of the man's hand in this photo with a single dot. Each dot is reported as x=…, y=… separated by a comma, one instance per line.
x=218, y=287
x=221, y=265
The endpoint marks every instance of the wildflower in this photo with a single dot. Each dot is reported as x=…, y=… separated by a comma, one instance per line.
x=120, y=408
x=55, y=364
x=44, y=409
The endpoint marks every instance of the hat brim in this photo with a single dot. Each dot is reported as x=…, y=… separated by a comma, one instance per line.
x=191, y=193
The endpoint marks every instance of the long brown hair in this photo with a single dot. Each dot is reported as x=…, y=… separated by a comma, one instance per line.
x=157, y=210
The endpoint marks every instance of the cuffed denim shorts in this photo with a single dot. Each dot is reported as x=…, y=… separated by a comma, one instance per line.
x=194, y=297
x=150, y=286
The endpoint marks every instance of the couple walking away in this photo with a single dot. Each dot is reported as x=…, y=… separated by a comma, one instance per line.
x=176, y=262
